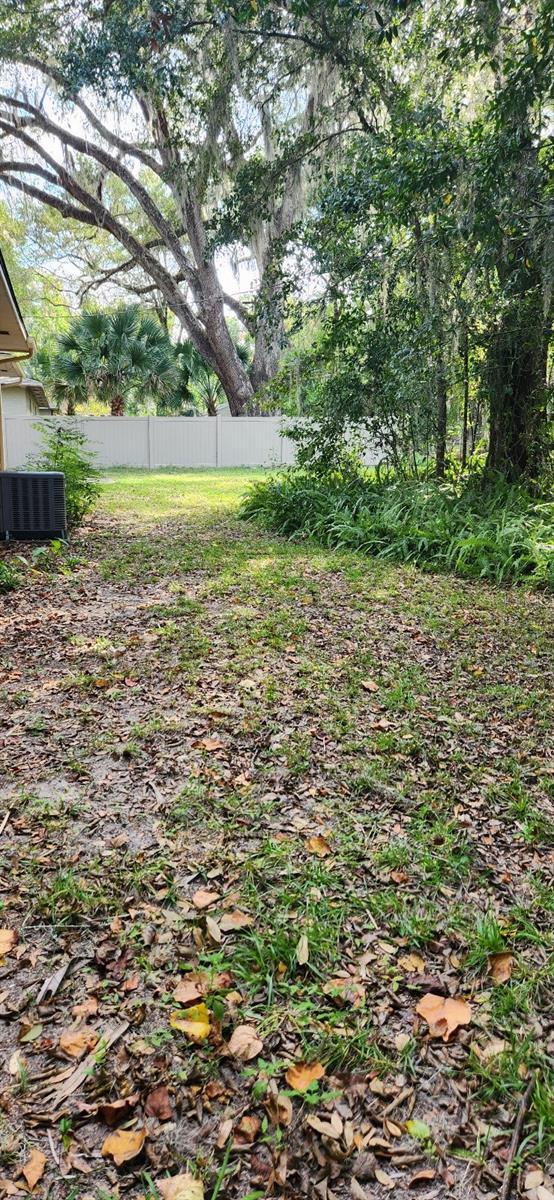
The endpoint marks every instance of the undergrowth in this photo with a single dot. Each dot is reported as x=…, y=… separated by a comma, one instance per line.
x=502, y=534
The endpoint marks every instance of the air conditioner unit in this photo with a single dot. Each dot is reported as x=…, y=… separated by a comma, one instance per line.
x=32, y=505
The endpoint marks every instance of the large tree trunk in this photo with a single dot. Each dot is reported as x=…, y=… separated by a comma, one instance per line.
x=516, y=368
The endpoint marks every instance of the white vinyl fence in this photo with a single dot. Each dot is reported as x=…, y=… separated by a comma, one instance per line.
x=221, y=441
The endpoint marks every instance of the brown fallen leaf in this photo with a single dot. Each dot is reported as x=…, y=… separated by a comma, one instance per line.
x=301, y=1075
x=195, y=1022
x=424, y=1176
x=369, y=685
x=188, y=991
x=158, y=1104
x=412, y=963
x=279, y=1108
x=8, y=939
x=115, y=1110
x=78, y=1042
x=302, y=951
x=123, y=1145
x=213, y=931
x=211, y=743
x=244, y=1043
x=443, y=1016
x=131, y=983
x=88, y=1008
x=203, y=898
x=33, y=1169
x=318, y=845
x=181, y=1187
x=246, y=1132
x=500, y=967
x=385, y=1180
x=235, y=920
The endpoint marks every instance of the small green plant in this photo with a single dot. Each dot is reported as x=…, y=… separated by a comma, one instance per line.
x=8, y=578
x=64, y=449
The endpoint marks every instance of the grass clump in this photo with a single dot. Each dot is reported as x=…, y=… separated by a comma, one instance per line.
x=503, y=534
x=8, y=578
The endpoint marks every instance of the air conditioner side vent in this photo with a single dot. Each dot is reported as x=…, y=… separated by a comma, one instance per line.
x=32, y=505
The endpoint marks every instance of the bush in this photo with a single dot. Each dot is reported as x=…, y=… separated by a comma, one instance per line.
x=502, y=535
x=65, y=450
x=8, y=578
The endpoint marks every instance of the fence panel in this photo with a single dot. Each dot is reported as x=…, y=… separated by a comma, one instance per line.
x=221, y=441
x=183, y=441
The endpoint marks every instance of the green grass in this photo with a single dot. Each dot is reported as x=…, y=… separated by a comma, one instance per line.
x=211, y=628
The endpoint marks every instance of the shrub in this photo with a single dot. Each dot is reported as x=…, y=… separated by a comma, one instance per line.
x=503, y=535
x=65, y=450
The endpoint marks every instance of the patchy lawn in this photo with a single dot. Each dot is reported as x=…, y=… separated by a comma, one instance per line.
x=260, y=802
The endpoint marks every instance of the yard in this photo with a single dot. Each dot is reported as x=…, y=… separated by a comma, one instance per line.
x=260, y=802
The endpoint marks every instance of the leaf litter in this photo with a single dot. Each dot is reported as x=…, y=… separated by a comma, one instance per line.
x=219, y=986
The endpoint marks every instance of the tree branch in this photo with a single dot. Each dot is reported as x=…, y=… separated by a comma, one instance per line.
x=113, y=138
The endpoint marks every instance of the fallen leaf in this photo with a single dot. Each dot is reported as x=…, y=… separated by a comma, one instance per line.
x=15, y=1063
x=195, y=1023
x=318, y=845
x=421, y=1177
x=181, y=1187
x=412, y=963
x=31, y=1034
x=88, y=1008
x=280, y=1109
x=301, y=1075
x=369, y=685
x=302, y=951
x=533, y=1179
x=158, y=1104
x=7, y=941
x=78, y=1042
x=33, y=1169
x=213, y=931
x=188, y=992
x=418, y=1129
x=246, y=1131
x=235, y=920
x=494, y=1047
x=544, y=1193
x=123, y=1145
x=114, y=1111
x=211, y=743
x=244, y=1043
x=384, y=1179
x=131, y=984
x=356, y=1190
x=500, y=967
x=443, y=1016
x=204, y=898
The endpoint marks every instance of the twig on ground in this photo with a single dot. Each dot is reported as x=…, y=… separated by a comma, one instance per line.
x=516, y=1138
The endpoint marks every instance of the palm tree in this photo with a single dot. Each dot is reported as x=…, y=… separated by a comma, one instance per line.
x=111, y=355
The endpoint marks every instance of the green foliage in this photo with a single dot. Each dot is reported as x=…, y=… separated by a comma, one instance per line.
x=8, y=578
x=112, y=356
x=502, y=535
x=64, y=449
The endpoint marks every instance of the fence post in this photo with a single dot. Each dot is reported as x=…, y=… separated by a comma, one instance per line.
x=148, y=444
x=217, y=437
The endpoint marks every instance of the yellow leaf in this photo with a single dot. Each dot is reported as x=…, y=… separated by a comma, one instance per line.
x=196, y=1022
x=244, y=1043
x=181, y=1187
x=77, y=1042
x=500, y=967
x=318, y=845
x=412, y=963
x=302, y=951
x=123, y=1145
x=301, y=1075
x=443, y=1016
x=33, y=1170
x=8, y=939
